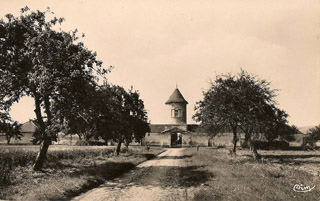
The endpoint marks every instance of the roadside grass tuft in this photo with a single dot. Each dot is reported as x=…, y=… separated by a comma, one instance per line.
x=205, y=195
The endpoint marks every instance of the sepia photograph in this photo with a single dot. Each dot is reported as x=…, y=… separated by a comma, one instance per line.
x=136, y=100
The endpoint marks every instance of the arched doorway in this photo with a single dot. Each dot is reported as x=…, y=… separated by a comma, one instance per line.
x=176, y=139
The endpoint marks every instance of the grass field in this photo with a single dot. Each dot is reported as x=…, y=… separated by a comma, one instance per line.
x=226, y=177
x=71, y=170
x=68, y=171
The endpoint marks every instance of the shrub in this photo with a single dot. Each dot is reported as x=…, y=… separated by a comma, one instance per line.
x=82, y=143
x=97, y=143
x=265, y=145
x=90, y=143
x=220, y=146
x=6, y=171
x=124, y=150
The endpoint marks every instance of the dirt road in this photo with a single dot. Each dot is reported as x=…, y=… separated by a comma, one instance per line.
x=167, y=177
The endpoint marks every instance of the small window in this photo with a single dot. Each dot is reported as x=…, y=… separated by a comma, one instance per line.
x=175, y=113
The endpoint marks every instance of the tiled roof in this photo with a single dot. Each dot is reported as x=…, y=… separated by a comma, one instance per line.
x=175, y=129
x=176, y=97
x=158, y=128
x=305, y=129
x=28, y=127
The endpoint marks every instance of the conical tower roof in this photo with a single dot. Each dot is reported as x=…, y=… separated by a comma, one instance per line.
x=176, y=97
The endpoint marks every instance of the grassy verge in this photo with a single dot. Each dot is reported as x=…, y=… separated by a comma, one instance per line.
x=68, y=170
x=241, y=178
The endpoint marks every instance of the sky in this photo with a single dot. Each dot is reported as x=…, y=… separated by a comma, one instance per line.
x=156, y=45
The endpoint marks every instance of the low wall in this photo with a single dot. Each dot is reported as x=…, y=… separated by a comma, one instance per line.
x=25, y=139
x=199, y=139
x=224, y=139
x=164, y=139
x=157, y=139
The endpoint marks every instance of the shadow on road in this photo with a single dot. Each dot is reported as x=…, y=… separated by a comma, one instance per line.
x=174, y=157
x=171, y=176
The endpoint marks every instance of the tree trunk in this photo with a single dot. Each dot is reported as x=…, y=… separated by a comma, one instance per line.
x=253, y=150
x=37, y=110
x=47, y=141
x=80, y=137
x=246, y=139
x=87, y=136
x=127, y=145
x=47, y=109
x=8, y=140
x=42, y=154
x=118, y=147
x=235, y=139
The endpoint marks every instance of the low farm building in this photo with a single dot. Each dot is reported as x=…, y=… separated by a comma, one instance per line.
x=27, y=130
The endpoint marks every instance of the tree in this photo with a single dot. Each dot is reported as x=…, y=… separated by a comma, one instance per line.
x=132, y=115
x=129, y=120
x=315, y=132
x=282, y=130
x=242, y=102
x=111, y=114
x=14, y=131
x=217, y=111
x=10, y=128
x=314, y=136
x=97, y=115
x=81, y=113
x=138, y=118
x=48, y=65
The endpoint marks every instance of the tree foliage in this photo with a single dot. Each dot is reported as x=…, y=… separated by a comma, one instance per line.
x=241, y=103
x=8, y=127
x=112, y=114
x=281, y=130
x=315, y=132
x=130, y=117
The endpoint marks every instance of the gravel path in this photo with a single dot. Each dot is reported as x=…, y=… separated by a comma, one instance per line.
x=157, y=179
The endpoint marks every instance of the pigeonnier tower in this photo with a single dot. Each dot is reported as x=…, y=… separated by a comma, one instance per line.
x=177, y=107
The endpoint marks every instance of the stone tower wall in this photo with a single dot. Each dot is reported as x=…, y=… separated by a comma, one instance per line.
x=182, y=107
